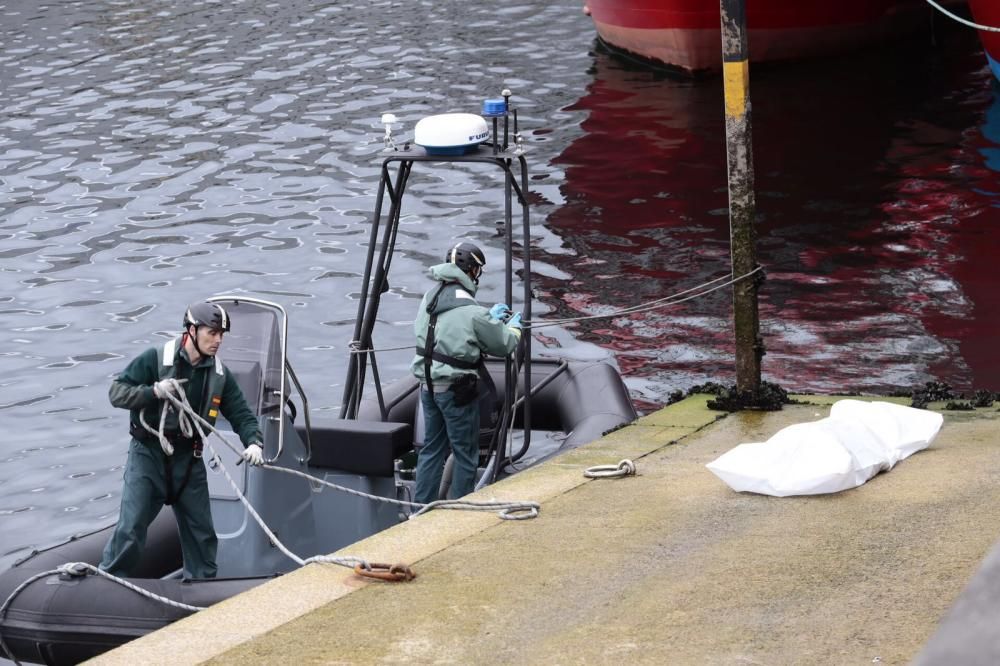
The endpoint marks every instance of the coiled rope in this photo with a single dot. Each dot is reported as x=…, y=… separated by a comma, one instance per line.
x=180, y=402
x=955, y=17
x=624, y=468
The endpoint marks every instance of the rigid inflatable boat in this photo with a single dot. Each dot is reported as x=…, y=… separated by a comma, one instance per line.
x=57, y=616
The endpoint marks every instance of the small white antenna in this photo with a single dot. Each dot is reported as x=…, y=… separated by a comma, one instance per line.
x=388, y=119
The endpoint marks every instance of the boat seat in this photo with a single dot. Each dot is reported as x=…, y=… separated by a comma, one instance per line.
x=358, y=447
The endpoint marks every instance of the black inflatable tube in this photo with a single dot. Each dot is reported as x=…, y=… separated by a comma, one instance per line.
x=65, y=620
x=585, y=400
x=61, y=619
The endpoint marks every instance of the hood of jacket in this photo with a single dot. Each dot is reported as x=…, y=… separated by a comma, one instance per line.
x=452, y=273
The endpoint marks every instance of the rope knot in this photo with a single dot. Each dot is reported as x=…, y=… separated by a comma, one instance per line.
x=624, y=468
x=75, y=569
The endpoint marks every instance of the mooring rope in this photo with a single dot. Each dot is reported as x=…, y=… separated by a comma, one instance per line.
x=77, y=569
x=509, y=510
x=955, y=17
x=701, y=290
x=191, y=422
x=81, y=568
x=180, y=401
x=506, y=508
x=10, y=599
x=624, y=468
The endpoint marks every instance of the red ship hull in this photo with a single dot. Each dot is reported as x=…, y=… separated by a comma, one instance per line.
x=685, y=34
x=987, y=12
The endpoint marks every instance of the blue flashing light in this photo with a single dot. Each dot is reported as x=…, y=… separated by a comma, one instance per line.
x=493, y=108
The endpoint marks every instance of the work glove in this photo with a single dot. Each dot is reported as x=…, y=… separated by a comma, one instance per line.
x=514, y=324
x=165, y=387
x=500, y=311
x=254, y=454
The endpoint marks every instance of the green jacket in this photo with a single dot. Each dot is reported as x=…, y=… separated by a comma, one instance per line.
x=132, y=389
x=464, y=329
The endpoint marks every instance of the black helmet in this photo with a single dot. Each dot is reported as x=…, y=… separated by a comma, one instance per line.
x=212, y=315
x=468, y=257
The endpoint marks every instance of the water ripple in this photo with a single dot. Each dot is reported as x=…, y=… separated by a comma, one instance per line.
x=152, y=154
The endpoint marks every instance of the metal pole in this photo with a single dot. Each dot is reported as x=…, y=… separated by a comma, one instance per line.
x=736, y=72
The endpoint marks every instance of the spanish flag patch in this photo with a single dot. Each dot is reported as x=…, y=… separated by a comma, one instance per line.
x=216, y=400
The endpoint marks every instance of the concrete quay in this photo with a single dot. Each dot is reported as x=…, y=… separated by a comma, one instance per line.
x=666, y=567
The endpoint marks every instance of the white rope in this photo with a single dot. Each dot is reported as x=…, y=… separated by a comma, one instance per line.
x=701, y=289
x=354, y=348
x=81, y=566
x=504, y=507
x=10, y=599
x=955, y=17
x=183, y=422
x=77, y=569
x=181, y=402
x=665, y=300
x=624, y=468
x=508, y=510
x=653, y=305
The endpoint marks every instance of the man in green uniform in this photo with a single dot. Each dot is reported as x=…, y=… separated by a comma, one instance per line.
x=453, y=333
x=172, y=472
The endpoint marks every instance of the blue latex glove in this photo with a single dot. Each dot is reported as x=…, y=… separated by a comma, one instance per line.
x=515, y=321
x=499, y=311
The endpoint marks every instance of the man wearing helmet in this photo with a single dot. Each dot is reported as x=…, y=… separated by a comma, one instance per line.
x=172, y=472
x=453, y=333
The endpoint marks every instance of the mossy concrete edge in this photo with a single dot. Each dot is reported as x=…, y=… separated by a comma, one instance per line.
x=225, y=625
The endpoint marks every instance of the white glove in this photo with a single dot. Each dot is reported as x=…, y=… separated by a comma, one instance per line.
x=254, y=454
x=165, y=387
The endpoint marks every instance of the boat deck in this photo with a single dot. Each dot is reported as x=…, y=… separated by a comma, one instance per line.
x=669, y=566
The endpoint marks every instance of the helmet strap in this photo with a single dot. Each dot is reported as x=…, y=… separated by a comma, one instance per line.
x=194, y=340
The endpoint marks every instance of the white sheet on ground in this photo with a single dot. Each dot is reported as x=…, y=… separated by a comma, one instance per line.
x=857, y=441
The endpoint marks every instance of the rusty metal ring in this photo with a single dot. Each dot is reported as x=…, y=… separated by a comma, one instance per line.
x=389, y=572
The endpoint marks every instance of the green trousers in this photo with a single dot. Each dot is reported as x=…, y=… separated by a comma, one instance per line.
x=144, y=494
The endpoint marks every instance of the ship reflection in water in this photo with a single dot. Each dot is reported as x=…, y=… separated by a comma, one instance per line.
x=878, y=225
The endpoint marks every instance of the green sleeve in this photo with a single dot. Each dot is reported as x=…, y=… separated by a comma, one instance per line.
x=133, y=387
x=236, y=410
x=494, y=336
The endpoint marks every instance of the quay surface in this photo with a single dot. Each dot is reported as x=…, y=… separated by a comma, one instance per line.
x=666, y=567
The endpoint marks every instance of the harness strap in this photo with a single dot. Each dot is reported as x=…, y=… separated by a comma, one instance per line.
x=449, y=360
x=431, y=326
x=429, y=355
x=428, y=358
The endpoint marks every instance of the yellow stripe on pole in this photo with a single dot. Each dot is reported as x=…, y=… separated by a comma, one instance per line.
x=737, y=81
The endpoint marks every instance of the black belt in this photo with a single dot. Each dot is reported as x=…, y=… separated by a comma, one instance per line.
x=175, y=438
